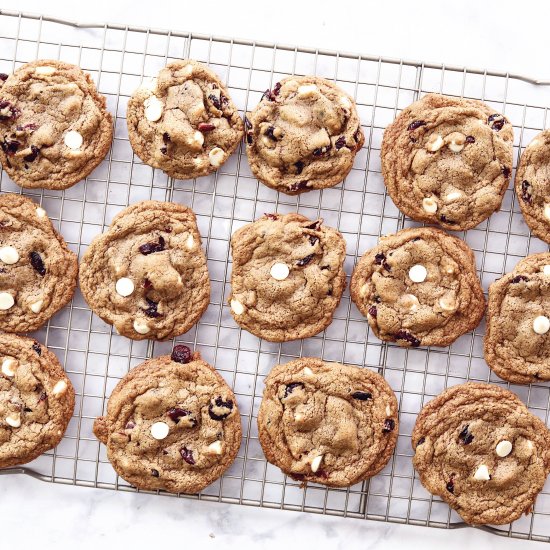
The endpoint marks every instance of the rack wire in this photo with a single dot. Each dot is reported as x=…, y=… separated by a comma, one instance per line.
x=96, y=358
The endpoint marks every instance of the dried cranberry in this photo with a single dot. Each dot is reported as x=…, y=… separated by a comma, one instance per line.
x=377, y=299
x=389, y=425
x=205, y=127
x=150, y=248
x=181, y=354
x=36, y=347
x=496, y=121
x=362, y=395
x=320, y=151
x=269, y=133
x=340, y=142
x=33, y=154
x=470, y=139
x=379, y=258
x=43, y=395
x=407, y=337
x=305, y=261
x=187, y=455
x=37, y=263
x=129, y=425
x=299, y=166
x=271, y=216
x=373, y=311
x=215, y=101
x=312, y=240
x=315, y=225
x=176, y=413
x=3, y=76
x=220, y=403
x=450, y=486
x=291, y=387
x=151, y=310
x=247, y=123
x=164, y=150
x=519, y=278
x=444, y=219
x=421, y=441
x=416, y=124
x=8, y=111
x=506, y=171
x=525, y=193
x=298, y=185
x=147, y=284
x=166, y=137
x=10, y=146
x=154, y=473
x=272, y=94
x=27, y=127
x=465, y=437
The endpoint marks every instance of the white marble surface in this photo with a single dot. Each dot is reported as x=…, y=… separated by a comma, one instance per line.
x=500, y=35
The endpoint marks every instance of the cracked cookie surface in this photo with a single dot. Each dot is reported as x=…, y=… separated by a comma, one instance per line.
x=147, y=274
x=54, y=126
x=36, y=400
x=326, y=422
x=38, y=272
x=419, y=287
x=448, y=161
x=172, y=423
x=479, y=448
x=288, y=276
x=184, y=121
x=303, y=135
x=517, y=339
x=532, y=185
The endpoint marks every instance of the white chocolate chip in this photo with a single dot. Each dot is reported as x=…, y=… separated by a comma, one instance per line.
x=307, y=90
x=9, y=364
x=216, y=157
x=279, y=271
x=388, y=410
x=215, y=448
x=456, y=147
x=153, y=108
x=190, y=242
x=434, y=143
x=534, y=143
x=418, y=273
x=504, y=448
x=141, y=327
x=453, y=196
x=187, y=71
x=298, y=417
x=541, y=324
x=197, y=140
x=345, y=102
x=308, y=371
x=40, y=212
x=447, y=303
x=237, y=307
x=482, y=473
x=547, y=211
x=410, y=302
x=430, y=205
x=36, y=307
x=9, y=255
x=45, y=70
x=73, y=140
x=14, y=420
x=160, y=430
x=364, y=289
x=6, y=300
x=124, y=286
x=60, y=387
x=546, y=269
x=316, y=462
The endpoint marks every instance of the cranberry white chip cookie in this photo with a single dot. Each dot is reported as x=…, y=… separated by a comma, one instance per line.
x=517, y=340
x=172, y=423
x=54, y=125
x=326, y=422
x=184, y=121
x=448, y=161
x=147, y=274
x=419, y=287
x=38, y=272
x=36, y=400
x=303, y=135
x=288, y=276
x=479, y=448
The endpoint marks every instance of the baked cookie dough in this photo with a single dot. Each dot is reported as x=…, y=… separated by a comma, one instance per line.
x=532, y=185
x=54, y=126
x=184, y=121
x=147, y=274
x=288, y=276
x=303, y=135
x=36, y=400
x=479, y=448
x=37, y=270
x=419, y=287
x=172, y=423
x=517, y=339
x=448, y=161
x=327, y=423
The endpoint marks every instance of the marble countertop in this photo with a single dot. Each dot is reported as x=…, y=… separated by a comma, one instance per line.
x=483, y=34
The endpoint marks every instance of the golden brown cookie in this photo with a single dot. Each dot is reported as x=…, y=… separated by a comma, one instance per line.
x=327, y=423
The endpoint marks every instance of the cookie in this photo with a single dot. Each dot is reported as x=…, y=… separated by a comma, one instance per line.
x=184, y=121
x=448, y=161
x=517, y=339
x=327, y=423
x=36, y=400
x=54, y=126
x=172, y=423
x=532, y=185
x=303, y=135
x=37, y=270
x=419, y=287
x=479, y=448
x=147, y=274
x=288, y=276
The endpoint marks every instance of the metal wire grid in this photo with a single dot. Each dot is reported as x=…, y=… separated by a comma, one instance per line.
x=96, y=358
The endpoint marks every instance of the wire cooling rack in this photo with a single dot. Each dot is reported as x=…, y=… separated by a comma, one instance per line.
x=96, y=358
